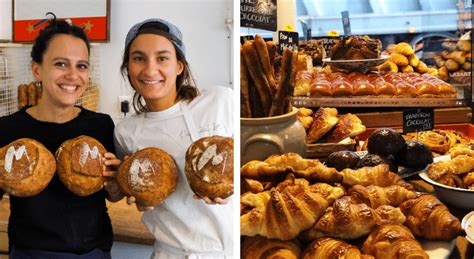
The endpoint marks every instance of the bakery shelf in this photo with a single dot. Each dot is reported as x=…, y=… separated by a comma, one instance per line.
x=376, y=102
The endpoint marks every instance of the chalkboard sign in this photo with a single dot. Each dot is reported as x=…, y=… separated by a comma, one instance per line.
x=418, y=119
x=346, y=24
x=287, y=39
x=260, y=14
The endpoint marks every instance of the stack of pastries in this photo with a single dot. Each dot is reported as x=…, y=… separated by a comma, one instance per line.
x=403, y=59
x=326, y=126
x=319, y=84
x=291, y=204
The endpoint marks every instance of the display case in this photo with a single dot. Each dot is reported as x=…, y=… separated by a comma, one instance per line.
x=353, y=76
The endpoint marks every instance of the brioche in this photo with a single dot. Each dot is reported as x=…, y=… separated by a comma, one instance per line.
x=80, y=165
x=26, y=167
x=150, y=175
x=209, y=167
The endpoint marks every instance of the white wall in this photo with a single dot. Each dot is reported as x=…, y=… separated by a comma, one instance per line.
x=202, y=22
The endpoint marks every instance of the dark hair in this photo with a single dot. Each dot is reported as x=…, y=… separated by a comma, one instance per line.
x=185, y=83
x=54, y=28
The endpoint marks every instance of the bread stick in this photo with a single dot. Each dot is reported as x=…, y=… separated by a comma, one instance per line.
x=263, y=54
x=278, y=105
x=245, y=111
x=258, y=76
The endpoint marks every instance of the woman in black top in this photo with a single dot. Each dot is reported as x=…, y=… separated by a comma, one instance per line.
x=56, y=223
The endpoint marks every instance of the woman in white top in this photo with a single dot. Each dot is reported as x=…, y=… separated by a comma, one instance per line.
x=171, y=114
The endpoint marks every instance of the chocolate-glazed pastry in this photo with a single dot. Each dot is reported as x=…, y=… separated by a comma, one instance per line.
x=375, y=159
x=416, y=155
x=385, y=141
x=342, y=160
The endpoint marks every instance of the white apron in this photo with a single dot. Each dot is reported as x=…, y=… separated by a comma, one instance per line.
x=184, y=199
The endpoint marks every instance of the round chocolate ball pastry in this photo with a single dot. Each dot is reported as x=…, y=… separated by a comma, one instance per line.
x=385, y=141
x=210, y=167
x=150, y=175
x=416, y=155
x=80, y=165
x=26, y=167
x=342, y=160
x=372, y=160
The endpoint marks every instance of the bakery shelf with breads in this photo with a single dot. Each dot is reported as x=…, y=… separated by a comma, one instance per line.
x=306, y=209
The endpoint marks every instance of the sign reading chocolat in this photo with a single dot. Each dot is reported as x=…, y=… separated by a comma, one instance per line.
x=260, y=14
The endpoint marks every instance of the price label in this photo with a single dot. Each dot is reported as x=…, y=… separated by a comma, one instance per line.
x=419, y=119
x=287, y=39
x=346, y=24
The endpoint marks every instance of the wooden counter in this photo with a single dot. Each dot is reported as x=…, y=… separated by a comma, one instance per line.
x=126, y=224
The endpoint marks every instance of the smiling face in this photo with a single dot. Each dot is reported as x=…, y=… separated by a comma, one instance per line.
x=152, y=69
x=64, y=71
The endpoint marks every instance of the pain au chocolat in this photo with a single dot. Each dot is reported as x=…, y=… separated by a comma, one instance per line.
x=80, y=165
x=26, y=167
x=150, y=175
x=210, y=165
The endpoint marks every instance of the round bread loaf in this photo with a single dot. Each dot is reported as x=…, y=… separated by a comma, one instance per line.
x=26, y=167
x=80, y=165
x=150, y=175
x=210, y=167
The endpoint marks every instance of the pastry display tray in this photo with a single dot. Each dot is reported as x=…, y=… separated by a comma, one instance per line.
x=376, y=102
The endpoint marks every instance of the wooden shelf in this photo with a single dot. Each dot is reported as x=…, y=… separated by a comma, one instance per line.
x=395, y=118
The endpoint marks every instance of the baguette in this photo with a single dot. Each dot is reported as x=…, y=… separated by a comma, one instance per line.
x=278, y=105
x=245, y=111
x=264, y=56
x=256, y=72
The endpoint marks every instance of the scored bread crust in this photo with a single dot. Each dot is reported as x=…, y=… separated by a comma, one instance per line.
x=80, y=165
x=150, y=175
x=210, y=167
x=26, y=167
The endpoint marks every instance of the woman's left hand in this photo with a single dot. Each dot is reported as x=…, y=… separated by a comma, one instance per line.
x=110, y=185
x=209, y=201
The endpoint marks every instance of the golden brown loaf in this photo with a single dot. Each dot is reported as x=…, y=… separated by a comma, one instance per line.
x=324, y=120
x=427, y=217
x=210, y=167
x=80, y=165
x=347, y=220
x=26, y=167
x=278, y=166
x=284, y=211
x=330, y=248
x=393, y=241
x=150, y=175
x=22, y=96
x=261, y=248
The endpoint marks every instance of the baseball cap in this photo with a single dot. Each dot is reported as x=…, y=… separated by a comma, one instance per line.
x=160, y=27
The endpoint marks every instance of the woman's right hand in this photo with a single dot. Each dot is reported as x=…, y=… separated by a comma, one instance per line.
x=131, y=200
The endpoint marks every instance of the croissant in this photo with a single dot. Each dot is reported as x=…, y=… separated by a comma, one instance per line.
x=393, y=241
x=326, y=247
x=379, y=175
x=323, y=120
x=458, y=165
x=284, y=211
x=349, y=126
x=346, y=220
x=404, y=49
x=375, y=196
x=262, y=248
x=427, y=217
x=468, y=181
x=277, y=166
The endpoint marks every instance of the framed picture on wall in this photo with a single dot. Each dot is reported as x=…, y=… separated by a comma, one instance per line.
x=30, y=16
